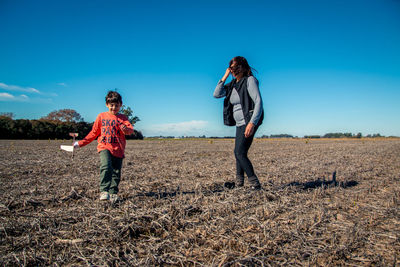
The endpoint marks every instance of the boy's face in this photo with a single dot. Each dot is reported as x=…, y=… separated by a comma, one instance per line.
x=114, y=107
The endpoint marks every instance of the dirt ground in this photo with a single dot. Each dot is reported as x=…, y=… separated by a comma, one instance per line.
x=175, y=210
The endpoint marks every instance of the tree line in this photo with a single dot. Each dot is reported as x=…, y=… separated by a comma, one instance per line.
x=59, y=123
x=56, y=125
x=328, y=135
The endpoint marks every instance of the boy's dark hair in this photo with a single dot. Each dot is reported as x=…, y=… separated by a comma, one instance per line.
x=113, y=97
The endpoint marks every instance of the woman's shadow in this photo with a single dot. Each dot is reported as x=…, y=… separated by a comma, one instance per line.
x=319, y=183
x=322, y=183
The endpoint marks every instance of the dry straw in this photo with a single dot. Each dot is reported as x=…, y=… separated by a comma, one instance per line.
x=175, y=210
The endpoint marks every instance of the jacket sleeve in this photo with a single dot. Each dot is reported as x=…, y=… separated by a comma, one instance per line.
x=94, y=133
x=254, y=92
x=220, y=90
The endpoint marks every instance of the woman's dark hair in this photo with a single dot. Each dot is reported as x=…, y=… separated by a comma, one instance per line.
x=113, y=97
x=242, y=66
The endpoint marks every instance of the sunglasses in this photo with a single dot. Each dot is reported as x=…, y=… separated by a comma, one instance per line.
x=234, y=68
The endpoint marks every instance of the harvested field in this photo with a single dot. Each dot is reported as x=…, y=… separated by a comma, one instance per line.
x=176, y=211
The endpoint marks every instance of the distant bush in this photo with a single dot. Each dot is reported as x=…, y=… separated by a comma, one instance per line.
x=312, y=136
x=328, y=135
x=281, y=136
x=136, y=135
x=342, y=135
x=337, y=135
x=374, y=135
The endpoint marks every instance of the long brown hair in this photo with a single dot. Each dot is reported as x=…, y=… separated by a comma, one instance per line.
x=242, y=66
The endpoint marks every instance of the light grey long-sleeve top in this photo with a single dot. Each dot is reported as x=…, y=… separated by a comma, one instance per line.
x=254, y=92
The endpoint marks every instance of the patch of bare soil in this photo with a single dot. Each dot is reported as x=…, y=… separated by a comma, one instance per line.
x=176, y=211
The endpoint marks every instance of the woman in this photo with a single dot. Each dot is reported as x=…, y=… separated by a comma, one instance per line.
x=243, y=108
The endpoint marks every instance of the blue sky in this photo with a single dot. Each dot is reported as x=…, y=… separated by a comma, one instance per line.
x=323, y=66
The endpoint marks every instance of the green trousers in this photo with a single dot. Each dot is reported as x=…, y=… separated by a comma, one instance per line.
x=110, y=172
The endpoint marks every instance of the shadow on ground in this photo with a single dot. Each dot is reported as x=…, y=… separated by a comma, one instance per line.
x=167, y=194
x=322, y=183
x=319, y=183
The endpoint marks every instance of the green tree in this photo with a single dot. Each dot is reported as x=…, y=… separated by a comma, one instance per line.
x=6, y=125
x=7, y=115
x=21, y=129
x=64, y=115
x=127, y=111
x=42, y=129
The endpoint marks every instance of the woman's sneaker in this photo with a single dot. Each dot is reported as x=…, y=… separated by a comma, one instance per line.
x=255, y=183
x=239, y=180
x=104, y=196
x=114, y=198
x=256, y=187
x=240, y=184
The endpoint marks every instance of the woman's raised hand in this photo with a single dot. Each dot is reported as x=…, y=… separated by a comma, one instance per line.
x=226, y=75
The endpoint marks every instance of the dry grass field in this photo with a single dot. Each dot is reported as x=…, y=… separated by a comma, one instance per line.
x=176, y=211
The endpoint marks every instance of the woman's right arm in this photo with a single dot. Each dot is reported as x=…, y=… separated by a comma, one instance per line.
x=220, y=90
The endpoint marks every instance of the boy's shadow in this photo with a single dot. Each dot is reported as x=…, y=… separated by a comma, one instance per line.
x=322, y=183
x=168, y=194
x=165, y=194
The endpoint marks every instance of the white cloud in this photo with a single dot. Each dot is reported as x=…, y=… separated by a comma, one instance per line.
x=36, y=95
x=6, y=96
x=33, y=90
x=187, y=128
x=19, y=88
x=10, y=97
x=62, y=84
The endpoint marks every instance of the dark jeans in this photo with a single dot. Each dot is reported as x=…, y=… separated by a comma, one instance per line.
x=243, y=164
x=110, y=172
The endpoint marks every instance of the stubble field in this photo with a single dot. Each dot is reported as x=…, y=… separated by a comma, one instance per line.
x=174, y=209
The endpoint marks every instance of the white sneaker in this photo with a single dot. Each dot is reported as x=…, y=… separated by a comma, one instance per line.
x=114, y=198
x=104, y=196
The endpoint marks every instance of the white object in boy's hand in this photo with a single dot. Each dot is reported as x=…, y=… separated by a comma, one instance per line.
x=67, y=148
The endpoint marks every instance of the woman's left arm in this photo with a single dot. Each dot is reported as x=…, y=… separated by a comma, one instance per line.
x=254, y=92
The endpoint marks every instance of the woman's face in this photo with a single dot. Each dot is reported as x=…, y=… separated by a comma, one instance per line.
x=234, y=69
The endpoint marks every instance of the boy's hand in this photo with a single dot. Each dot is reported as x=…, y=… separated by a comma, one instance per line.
x=124, y=129
x=76, y=144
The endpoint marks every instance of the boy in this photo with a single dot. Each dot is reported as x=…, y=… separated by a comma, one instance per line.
x=110, y=129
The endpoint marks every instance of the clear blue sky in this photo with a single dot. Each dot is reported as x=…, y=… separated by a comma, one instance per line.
x=323, y=66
